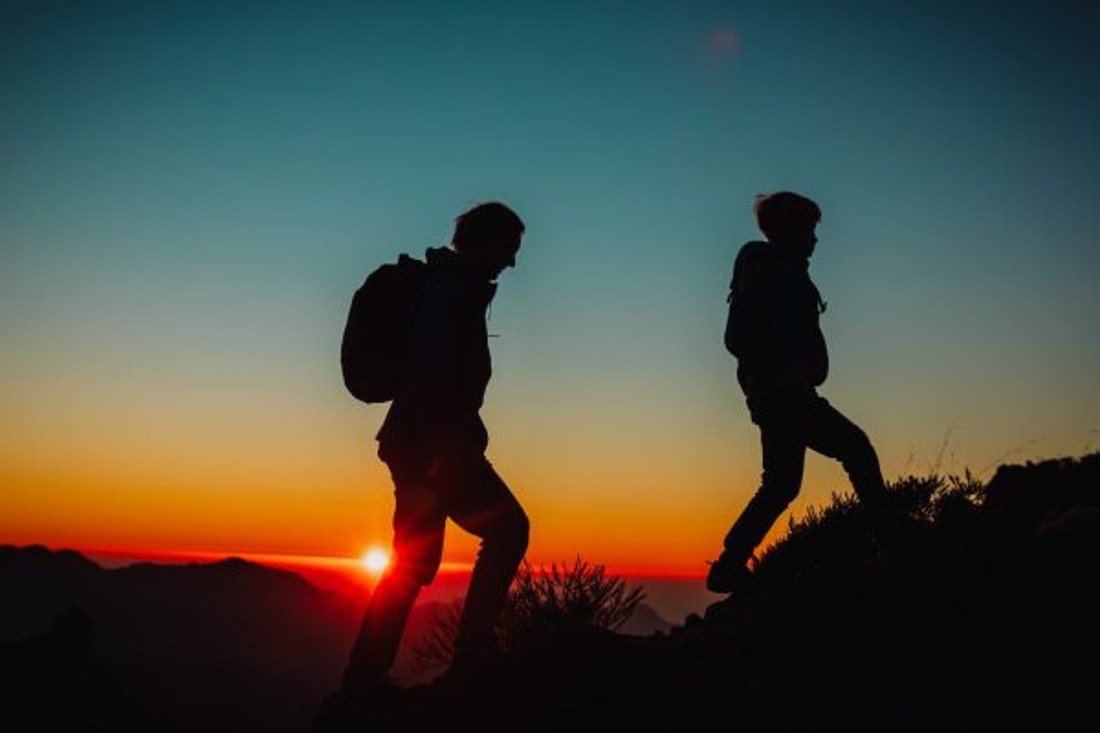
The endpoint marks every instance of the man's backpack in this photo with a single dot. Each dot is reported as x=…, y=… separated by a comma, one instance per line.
x=373, y=349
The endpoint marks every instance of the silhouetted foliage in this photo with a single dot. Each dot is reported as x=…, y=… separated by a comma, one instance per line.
x=542, y=602
x=1026, y=494
x=945, y=518
x=578, y=596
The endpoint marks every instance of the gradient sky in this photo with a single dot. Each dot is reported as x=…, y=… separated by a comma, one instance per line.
x=190, y=192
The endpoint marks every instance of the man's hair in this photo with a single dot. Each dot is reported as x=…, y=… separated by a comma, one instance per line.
x=484, y=222
x=783, y=211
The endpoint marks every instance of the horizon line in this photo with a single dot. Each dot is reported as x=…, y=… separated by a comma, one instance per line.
x=116, y=557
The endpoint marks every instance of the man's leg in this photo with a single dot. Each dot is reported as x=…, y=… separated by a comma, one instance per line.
x=486, y=508
x=380, y=633
x=418, y=525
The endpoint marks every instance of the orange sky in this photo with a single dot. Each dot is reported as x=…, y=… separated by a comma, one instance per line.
x=181, y=232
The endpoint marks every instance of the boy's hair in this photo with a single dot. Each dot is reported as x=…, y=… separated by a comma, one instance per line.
x=485, y=222
x=783, y=211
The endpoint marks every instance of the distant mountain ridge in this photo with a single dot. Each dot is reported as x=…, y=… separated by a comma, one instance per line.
x=160, y=625
x=172, y=631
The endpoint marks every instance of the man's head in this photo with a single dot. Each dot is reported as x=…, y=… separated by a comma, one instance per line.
x=488, y=236
x=788, y=218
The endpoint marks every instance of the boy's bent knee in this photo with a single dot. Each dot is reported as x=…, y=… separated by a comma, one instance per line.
x=860, y=454
x=779, y=491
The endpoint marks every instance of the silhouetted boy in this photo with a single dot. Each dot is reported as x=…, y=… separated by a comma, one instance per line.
x=433, y=441
x=772, y=329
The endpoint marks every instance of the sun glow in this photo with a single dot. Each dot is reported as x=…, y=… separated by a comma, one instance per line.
x=375, y=560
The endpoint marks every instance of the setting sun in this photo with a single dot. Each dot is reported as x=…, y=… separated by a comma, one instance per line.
x=375, y=560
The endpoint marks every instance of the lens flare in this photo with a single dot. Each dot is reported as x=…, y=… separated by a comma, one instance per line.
x=375, y=560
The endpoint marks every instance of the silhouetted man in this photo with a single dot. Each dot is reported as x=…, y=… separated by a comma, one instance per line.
x=773, y=330
x=433, y=441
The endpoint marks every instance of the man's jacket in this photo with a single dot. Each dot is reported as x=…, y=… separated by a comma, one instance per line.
x=449, y=365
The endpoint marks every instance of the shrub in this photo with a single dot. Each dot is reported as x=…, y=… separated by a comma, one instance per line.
x=541, y=602
x=845, y=533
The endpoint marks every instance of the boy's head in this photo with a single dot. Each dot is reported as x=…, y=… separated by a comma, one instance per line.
x=786, y=216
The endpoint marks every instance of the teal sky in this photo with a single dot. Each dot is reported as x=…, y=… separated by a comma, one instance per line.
x=189, y=193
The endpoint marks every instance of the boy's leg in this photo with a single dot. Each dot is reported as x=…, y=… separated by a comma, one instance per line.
x=831, y=434
x=783, y=450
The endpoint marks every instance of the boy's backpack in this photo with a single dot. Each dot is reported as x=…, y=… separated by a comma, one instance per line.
x=749, y=301
x=373, y=349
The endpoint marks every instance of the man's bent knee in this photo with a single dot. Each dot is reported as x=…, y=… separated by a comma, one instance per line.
x=414, y=573
x=510, y=541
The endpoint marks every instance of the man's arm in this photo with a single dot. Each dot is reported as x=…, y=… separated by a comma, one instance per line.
x=429, y=394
